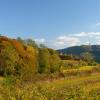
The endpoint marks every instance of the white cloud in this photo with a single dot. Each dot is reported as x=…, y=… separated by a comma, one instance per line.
x=41, y=40
x=87, y=43
x=98, y=24
x=77, y=39
x=71, y=40
x=81, y=34
x=93, y=33
x=98, y=42
x=66, y=41
x=89, y=34
x=97, y=37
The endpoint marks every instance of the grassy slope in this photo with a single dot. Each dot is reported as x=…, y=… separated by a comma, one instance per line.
x=75, y=88
x=78, y=81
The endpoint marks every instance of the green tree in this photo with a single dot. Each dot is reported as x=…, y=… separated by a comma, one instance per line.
x=49, y=61
x=30, y=42
x=44, y=63
x=20, y=39
x=87, y=57
x=55, y=61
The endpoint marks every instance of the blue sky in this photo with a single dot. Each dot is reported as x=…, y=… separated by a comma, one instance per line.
x=56, y=23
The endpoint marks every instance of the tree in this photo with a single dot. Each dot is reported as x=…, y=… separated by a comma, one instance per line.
x=42, y=46
x=17, y=61
x=44, y=63
x=49, y=61
x=30, y=42
x=8, y=61
x=55, y=61
x=87, y=57
x=20, y=39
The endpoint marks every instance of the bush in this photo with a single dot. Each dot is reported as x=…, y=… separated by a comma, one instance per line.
x=49, y=61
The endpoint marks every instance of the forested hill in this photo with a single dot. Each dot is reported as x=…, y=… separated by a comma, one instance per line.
x=79, y=50
x=24, y=58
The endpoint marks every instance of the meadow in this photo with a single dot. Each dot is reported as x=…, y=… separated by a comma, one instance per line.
x=53, y=87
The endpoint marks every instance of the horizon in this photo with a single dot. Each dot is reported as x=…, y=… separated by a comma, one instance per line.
x=55, y=23
x=51, y=47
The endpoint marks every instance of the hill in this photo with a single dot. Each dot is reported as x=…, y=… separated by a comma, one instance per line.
x=16, y=58
x=79, y=50
x=24, y=58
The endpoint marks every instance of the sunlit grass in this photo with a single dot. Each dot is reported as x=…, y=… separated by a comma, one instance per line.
x=86, y=87
x=74, y=81
x=83, y=68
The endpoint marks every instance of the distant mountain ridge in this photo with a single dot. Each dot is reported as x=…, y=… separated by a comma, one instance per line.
x=78, y=50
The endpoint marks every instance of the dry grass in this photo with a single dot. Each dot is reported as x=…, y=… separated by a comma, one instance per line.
x=72, y=88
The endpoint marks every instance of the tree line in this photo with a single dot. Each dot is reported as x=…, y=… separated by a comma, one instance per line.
x=24, y=58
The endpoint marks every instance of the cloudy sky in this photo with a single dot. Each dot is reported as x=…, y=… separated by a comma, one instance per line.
x=56, y=23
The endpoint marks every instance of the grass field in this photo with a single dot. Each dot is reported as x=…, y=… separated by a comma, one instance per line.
x=84, y=68
x=85, y=87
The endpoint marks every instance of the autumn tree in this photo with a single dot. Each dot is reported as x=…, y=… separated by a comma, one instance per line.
x=8, y=59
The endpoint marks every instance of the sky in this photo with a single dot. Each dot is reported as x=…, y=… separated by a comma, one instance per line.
x=55, y=23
